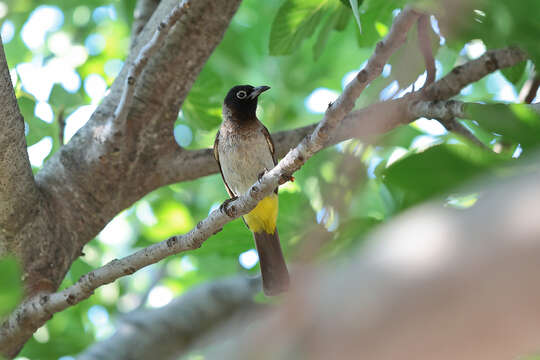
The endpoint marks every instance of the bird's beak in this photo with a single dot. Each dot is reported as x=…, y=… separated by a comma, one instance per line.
x=257, y=91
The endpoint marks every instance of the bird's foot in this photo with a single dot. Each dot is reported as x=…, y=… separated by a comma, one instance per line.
x=229, y=210
x=284, y=178
x=259, y=177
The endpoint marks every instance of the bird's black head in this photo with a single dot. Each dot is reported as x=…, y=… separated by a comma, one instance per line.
x=241, y=102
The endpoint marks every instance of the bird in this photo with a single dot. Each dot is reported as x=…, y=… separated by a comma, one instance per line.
x=244, y=151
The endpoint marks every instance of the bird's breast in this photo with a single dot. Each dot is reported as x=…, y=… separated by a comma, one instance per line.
x=243, y=157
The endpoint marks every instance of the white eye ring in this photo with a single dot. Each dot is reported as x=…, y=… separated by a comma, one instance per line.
x=241, y=94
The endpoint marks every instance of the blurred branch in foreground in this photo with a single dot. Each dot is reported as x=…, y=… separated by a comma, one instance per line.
x=167, y=332
x=436, y=283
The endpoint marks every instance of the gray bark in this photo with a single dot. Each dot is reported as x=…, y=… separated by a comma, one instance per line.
x=18, y=191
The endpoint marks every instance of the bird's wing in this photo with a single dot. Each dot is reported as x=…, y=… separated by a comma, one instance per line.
x=270, y=143
x=216, y=156
x=271, y=147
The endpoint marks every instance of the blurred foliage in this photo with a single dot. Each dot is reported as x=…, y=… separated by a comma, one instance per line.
x=11, y=285
x=296, y=47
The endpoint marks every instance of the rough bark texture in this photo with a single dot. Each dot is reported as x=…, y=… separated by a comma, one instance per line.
x=18, y=191
x=143, y=11
x=23, y=209
x=435, y=283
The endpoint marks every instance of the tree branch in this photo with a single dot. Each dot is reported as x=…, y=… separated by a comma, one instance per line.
x=530, y=89
x=33, y=312
x=18, y=191
x=424, y=43
x=100, y=171
x=140, y=62
x=444, y=110
x=170, y=331
x=473, y=71
x=143, y=11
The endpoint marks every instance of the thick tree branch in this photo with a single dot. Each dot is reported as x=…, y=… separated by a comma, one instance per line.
x=435, y=283
x=100, y=171
x=143, y=11
x=148, y=50
x=33, y=312
x=18, y=191
x=176, y=326
x=444, y=110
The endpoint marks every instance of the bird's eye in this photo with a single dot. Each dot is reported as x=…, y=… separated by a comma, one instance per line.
x=241, y=94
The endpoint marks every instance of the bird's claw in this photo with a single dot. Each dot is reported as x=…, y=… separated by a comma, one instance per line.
x=284, y=178
x=225, y=208
x=259, y=177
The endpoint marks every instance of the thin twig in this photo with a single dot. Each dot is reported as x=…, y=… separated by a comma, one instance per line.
x=61, y=125
x=453, y=125
x=529, y=90
x=424, y=42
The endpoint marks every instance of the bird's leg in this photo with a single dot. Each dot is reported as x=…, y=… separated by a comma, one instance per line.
x=284, y=178
x=224, y=207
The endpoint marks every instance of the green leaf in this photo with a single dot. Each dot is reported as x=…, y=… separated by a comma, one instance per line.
x=354, y=7
x=35, y=126
x=518, y=123
x=202, y=107
x=325, y=31
x=514, y=73
x=343, y=19
x=61, y=99
x=402, y=135
x=347, y=3
x=502, y=23
x=295, y=21
x=480, y=133
x=375, y=12
x=78, y=269
x=10, y=285
x=437, y=170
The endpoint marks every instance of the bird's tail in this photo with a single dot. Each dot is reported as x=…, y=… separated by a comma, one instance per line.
x=275, y=277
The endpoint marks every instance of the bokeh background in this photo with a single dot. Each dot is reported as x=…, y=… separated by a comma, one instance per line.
x=64, y=55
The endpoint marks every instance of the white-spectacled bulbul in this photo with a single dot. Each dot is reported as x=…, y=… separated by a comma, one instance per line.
x=244, y=150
